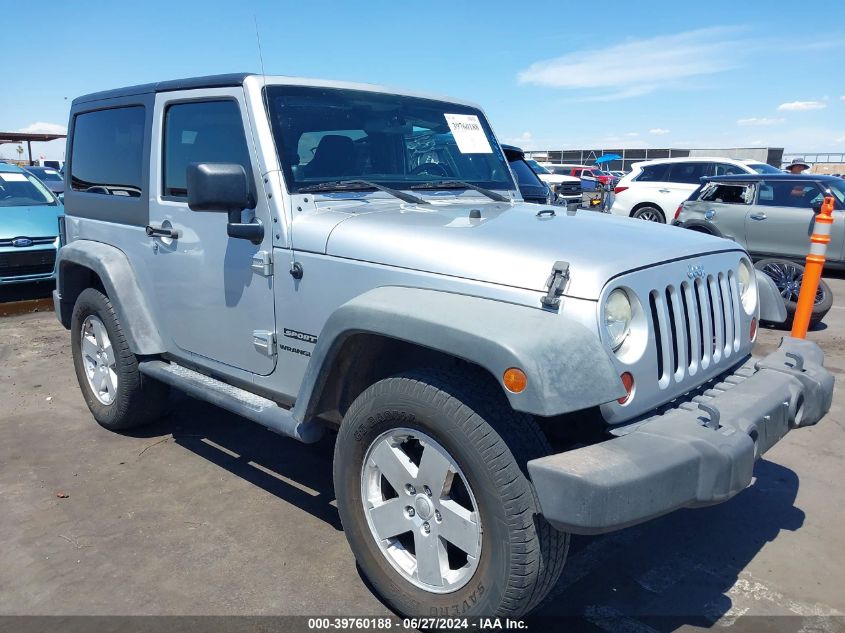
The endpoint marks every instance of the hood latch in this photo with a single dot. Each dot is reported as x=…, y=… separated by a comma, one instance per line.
x=555, y=283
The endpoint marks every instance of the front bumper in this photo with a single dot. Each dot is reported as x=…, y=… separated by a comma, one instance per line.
x=699, y=453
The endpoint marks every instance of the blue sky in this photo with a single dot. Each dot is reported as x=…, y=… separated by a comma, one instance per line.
x=549, y=74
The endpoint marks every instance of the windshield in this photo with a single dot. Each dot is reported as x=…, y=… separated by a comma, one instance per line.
x=325, y=135
x=47, y=174
x=560, y=170
x=763, y=168
x=536, y=167
x=23, y=190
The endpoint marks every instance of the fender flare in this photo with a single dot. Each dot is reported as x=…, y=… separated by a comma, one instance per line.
x=118, y=278
x=772, y=307
x=568, y=368
x=694, y=224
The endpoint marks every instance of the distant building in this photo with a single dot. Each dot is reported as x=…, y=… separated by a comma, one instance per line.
x=771, y=155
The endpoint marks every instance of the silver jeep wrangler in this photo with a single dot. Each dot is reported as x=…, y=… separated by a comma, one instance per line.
x=317, y=255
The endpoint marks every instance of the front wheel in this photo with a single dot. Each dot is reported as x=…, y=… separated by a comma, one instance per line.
x=788, y=277
x=434, y=498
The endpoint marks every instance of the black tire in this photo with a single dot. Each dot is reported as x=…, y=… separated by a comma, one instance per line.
x=787, y=276
x=521, y=555
x=651, y=213
x=137, y=399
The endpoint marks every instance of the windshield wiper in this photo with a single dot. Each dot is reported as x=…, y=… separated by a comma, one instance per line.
x=460, y=184
x=359, y=185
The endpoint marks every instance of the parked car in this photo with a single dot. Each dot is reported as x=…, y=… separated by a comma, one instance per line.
x=772, y=216
x=29, y=227
x=52, y=178
x=58, y=165
x=567, y=188
x=654, y=189
x=317, y=255
x=530, y=186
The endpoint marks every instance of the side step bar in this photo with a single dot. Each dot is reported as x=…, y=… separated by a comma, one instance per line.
x=238, y=401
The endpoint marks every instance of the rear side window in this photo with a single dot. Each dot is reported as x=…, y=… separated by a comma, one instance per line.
x=201, y=132
x=785, y=193
x=107, y=152
x=727, y=194
x=655, y=173
x=689, y=173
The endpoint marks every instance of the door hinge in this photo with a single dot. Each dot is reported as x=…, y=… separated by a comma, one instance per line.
x=264, y=341
x=262, y=263
x=556, y=283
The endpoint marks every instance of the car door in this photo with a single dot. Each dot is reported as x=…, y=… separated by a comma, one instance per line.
x=781, y=221
x=725, y=206
x=213, y=305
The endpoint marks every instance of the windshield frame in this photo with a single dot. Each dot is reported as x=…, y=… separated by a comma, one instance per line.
x=285, y=133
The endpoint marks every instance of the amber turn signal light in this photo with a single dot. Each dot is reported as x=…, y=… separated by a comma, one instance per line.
x=753, y=332
x=628, y=382
x=515, y=380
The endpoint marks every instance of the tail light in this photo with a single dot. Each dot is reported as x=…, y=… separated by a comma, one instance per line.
x=619, y=190
x=678, y=211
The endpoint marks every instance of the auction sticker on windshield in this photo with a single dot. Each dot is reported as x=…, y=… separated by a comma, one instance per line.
x=468, y=133
x=13, y=177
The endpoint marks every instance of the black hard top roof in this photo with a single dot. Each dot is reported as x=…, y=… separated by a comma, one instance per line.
x=209, y=81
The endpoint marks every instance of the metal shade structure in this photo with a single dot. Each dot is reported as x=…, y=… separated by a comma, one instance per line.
x=27, y=137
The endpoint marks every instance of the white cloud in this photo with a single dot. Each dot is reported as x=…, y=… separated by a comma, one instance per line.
x=842, y=98
x=660, y=61
x=802, y=105
x=659, y=131
x=632, y=134
x=760, y=121
x=40, y=127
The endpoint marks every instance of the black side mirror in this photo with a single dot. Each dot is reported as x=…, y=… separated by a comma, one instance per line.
x=224, y=187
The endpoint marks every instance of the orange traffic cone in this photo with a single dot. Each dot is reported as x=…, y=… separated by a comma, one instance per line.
x=813, y=269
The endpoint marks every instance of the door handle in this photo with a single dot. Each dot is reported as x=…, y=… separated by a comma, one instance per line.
x=665, y=190
x=758, y=216
x=160, y=231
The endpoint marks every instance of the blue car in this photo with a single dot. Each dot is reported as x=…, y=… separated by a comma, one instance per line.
x=29, y=227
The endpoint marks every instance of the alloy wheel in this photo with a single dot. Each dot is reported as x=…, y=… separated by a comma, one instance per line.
x=98, y=359
x=421, y=511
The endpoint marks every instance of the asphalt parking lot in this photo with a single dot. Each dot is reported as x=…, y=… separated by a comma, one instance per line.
x=205, y=514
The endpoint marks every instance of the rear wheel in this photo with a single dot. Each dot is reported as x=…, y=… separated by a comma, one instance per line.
x=650, y=214
x=788, y=277
x=435, y=500
x=118, y=395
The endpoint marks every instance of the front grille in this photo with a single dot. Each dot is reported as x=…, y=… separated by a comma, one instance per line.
x=27, y=263
x=36, y=241
x=696, y=325
x=569, y=188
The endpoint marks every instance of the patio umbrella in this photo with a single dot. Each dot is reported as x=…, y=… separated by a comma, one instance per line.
x=606, y=158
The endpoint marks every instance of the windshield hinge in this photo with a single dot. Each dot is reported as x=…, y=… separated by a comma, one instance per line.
x=264, y=341
x=262, y=263
x=555, y=284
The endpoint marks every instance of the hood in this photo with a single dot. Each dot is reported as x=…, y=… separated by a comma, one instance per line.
x=508, y=245
x=29, y=221
x=558, y=178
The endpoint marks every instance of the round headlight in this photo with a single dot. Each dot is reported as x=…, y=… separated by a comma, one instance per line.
x=747, y=282
x=617, y=317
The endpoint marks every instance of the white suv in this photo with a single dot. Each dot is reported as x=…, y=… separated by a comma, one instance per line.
x=654, y=189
